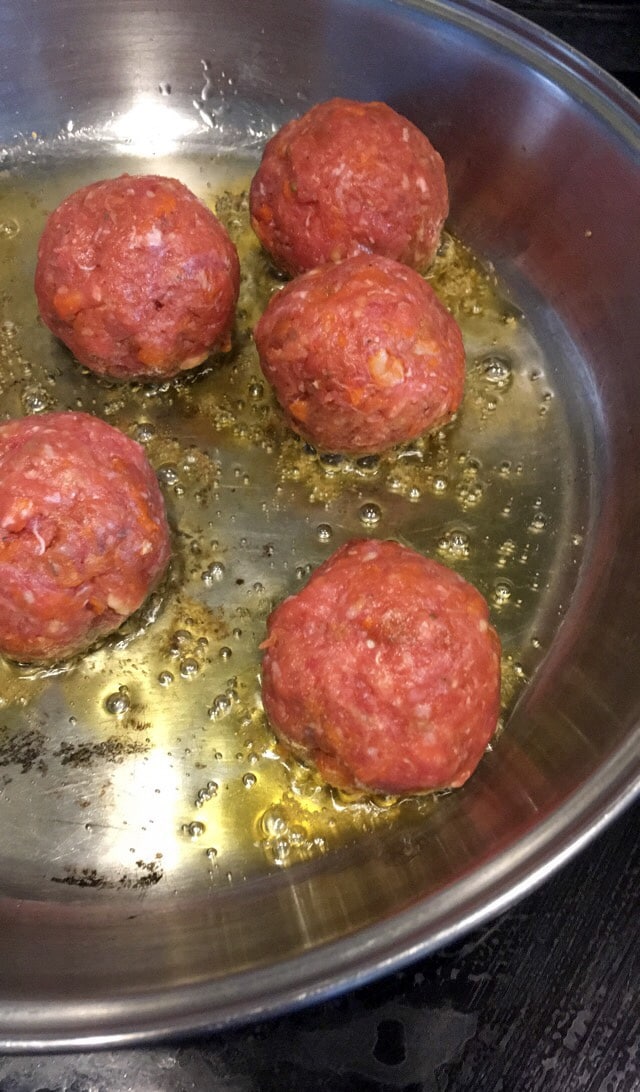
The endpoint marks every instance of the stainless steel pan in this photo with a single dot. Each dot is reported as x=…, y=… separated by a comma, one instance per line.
x=163, y=867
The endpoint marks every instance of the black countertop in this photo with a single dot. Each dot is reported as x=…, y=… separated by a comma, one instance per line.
x=606, y=31
x=545, y=997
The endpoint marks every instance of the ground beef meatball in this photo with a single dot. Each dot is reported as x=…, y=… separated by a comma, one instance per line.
x=349, y=177
x=83, y=533
x=137, y=277
x=384, y=671
x=362, y=355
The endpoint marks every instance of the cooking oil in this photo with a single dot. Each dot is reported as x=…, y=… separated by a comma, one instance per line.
x=253, y=510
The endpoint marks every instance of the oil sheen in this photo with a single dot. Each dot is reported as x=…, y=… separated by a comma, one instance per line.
x=148, y=763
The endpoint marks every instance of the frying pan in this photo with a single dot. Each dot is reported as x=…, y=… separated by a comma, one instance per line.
x=164, y=868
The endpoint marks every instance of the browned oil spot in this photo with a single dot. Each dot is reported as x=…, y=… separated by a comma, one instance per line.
x=25, y=750
x=150, y=873
x=109, y=750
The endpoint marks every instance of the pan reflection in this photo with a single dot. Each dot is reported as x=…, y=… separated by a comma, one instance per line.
x=151, y=127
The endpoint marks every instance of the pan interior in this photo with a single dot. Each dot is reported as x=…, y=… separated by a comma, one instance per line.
x=148, y=763
x=155, y=839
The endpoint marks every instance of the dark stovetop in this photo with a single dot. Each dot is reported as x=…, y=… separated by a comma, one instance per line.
x=545, y=997
x=606, y=31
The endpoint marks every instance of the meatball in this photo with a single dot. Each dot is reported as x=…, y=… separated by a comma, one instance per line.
x=346, y=178
x=137, y=277
x=83, y=533
x=384, y=671
x=362, y=355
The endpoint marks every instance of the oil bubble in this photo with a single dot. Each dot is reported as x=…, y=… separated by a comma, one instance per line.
x=194, y=829
x=179, y=639
x=469, y=493
x=225, y=653
x=281, y=850
x=205, y=794
x=215, y=571
x=506, y=549
x=220, y=706
x=168, y=474
x=368, y=462
x=496, y=370
x=189, y=667
x=324, y=532
x=249, y=780
x=119, y=703
x=370, y=514
x=35, y=400
x=211, y=853
x=455, y=543
x=538, y=523
x=9, y=228
x=144, y=431
x=165, y=678
x=273, y=824
x=502, y=592
x=297, y=835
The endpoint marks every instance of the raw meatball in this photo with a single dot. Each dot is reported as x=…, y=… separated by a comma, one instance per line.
x=362, y=355
x=349, y=177
x=137, y=277
x=384, y=671
x=83, y=533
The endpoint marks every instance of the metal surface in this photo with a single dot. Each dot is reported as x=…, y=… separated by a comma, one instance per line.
x=117, y=924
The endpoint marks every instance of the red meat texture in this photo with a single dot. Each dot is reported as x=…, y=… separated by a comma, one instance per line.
x=137, y=277
x=83, y=533
x=362, y=355
x=345, y=178
x=384, y=671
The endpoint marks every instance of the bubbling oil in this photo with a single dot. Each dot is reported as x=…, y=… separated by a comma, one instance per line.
x=254, y=509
